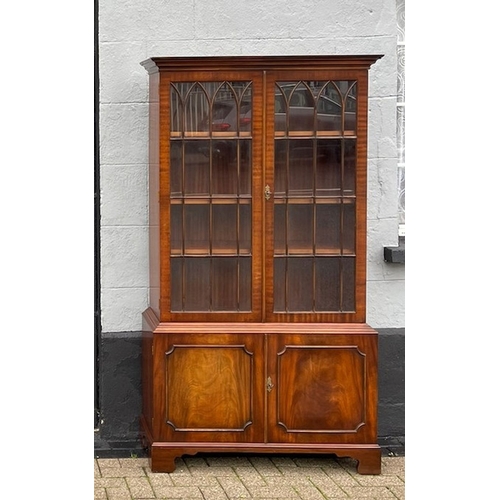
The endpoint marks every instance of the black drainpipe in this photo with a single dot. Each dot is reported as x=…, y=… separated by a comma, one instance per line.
x=97, y=222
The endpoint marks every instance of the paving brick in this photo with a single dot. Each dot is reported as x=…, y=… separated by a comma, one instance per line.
x=308, y=492
x=118, y=494
x=213, y=472
x=108, y=462
x=195, y=462
x=368, y=492
x=160, y=480
x=100, y=493
x=315, y=461
x=122, y=472
x=250, y=477
x=171, y=492
x=342, y=477
x=134, y=462
x=398, y=491
x=234, y=488
x=315, y=473
x=382, y=480
x=110, y=482
x=295, y=478
x=327, y=486
x=265, y=466
x=140, y=487
x=198, y=480
x=213, y=492
x=268, y=493
x=283, y=462
x=228, y=461
x=180, y=468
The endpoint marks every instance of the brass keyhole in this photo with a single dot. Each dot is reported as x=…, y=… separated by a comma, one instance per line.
x=269, y=385
x=267, y=192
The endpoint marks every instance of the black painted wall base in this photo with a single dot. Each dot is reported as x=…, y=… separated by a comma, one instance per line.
x=118, y=433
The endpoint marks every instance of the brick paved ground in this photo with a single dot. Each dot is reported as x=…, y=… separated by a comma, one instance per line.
x=265, y=478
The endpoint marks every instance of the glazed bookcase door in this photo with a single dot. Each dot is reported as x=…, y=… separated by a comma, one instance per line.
x=214, y=158
x=315, y=176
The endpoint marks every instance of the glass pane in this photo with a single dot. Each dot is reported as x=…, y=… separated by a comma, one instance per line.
x=231, y=113
x=299, y=284
x=329, y=167
x=349, y=229
x=246, y=111
x=224, y=168
x=329, y=108
x=280, y=167
x=349, y=167
x=350, y=117
x=327, y=290
x=280, y=110
x=196, y=167
x=245, y=156
x=245, y=225
x=328, y=226
x=245, y=279
x=301, y=108
x=225, y=111
x=279, y=229
x=348, y=284
x=300, y=229
x=197, y=225
x=175, y=229
x=197, y=284
x=301, y=171
x=175, y=168
x=225, y=229
x=176, y=111
x=196, y=110
x=225, y=284
x=279, y=284
x=176, y=283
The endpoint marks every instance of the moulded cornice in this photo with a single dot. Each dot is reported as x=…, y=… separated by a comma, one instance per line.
x=347, y=62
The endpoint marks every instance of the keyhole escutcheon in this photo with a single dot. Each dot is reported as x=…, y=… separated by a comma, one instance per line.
x=269, y=384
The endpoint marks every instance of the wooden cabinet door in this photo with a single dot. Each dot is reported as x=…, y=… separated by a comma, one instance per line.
x=211, y=190
x=209, y=387
x=322, y=388
x=315, y=178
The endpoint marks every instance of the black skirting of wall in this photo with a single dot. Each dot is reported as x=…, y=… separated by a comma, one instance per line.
x=120, y=402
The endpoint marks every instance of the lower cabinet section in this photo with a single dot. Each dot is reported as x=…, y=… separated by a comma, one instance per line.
x=259, y=388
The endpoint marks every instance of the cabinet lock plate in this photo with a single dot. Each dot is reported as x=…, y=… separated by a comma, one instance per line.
x=269, y=384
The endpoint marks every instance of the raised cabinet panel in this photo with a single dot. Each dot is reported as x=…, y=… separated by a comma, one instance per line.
x=208, y=387
x=321, y=389
x=324, y=388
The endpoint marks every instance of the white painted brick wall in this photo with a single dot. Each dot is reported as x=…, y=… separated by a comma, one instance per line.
x=131, y=31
